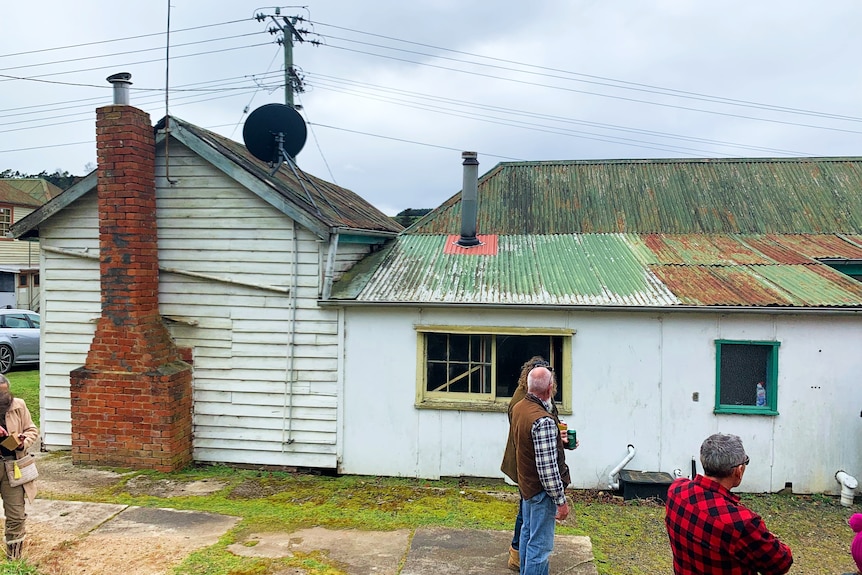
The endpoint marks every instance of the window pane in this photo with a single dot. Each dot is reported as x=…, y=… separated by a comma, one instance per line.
x=436, y=344
x=459, y=347
x=436, y=375
x=743, y=366
x=514, y=350
x=34, y=319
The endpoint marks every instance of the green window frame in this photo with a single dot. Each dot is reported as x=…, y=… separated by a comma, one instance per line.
x=470, y=368
x=739, y=366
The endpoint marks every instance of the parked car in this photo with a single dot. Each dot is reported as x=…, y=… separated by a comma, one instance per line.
x=19, y=338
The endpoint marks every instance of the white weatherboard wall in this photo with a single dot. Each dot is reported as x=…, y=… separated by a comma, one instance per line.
x=247, y=406
x=634, y=376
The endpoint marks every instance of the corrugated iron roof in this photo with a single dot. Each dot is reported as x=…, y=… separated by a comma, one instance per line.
x=39, y=189
x=333, y=205
x=12, y=194
x=628, y=270
x=674, y=196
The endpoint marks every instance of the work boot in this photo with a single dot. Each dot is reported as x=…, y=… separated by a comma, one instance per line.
x=514, y=560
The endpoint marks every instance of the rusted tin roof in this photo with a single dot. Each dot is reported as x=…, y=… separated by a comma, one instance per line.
x=625, y=270
x=333, y=205
x=674, y=196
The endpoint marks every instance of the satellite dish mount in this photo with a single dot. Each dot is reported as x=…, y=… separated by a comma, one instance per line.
x=275, y=133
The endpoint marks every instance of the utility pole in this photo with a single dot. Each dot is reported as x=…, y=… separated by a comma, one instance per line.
x=289, y=33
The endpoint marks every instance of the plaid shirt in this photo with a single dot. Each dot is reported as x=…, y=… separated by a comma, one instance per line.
x=711, y=532
x=545, y=434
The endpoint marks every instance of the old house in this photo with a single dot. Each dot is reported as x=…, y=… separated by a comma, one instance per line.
x=181, y=282
x=19, y=260
x=674, y=298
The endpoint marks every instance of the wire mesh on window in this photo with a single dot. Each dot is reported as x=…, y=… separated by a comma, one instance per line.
x=742, y=367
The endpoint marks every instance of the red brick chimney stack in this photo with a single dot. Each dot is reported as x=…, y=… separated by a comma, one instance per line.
x=131, y=402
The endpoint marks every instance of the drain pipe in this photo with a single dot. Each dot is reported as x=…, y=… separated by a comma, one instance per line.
x=612, y=482
x=848, y=487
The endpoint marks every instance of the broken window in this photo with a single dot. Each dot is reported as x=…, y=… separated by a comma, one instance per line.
x=747, y=377
x=484, y=367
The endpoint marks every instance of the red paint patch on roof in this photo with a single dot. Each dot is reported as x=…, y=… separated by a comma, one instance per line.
x=488, y=247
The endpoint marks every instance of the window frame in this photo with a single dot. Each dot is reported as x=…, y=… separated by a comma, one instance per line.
x=771, y=407
x=490, y=401
x=6, y=226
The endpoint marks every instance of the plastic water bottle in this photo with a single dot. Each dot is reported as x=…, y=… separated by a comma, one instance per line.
x=760, y=395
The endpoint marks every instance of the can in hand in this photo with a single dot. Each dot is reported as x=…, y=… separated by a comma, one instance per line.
x=573, y=438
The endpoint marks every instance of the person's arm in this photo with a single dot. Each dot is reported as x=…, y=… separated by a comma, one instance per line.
x=545, y=435
x=762, y=550
x=29, y=432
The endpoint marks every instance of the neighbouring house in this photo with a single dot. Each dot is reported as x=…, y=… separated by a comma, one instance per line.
x=674, y=299
x=19, y=260
x=180, y=251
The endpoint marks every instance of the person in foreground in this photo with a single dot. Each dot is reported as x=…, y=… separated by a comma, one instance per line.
x=15, y=421
x=542, y=472
x=710, y=531
x=509, y=465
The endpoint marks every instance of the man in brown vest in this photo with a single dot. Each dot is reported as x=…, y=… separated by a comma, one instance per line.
x=542, y=472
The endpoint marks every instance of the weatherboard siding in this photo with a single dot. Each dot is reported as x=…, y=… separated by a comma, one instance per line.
x=248, y=408
x=17, y=251
x=70, y=304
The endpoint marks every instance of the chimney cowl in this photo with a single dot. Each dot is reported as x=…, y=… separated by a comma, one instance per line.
x=121, y=82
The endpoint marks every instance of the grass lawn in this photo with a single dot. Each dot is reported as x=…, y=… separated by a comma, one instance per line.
x=25, y=384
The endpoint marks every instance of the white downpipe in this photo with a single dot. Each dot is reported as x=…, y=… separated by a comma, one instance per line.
x=612, y=482
x=848, y=487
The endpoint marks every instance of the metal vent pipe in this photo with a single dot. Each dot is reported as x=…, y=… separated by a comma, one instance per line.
x=121, y=82
x=469, y=201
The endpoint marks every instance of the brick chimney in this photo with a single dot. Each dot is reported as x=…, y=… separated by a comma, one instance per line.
x=132, y=399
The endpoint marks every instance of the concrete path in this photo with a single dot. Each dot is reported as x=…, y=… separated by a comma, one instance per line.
x=70, y=537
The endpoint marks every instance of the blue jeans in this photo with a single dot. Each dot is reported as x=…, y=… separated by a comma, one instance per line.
x=537, y=534
x=519, y=521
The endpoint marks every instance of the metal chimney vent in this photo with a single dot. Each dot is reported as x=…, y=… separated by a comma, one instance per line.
x=121, y=82
x=469, y=201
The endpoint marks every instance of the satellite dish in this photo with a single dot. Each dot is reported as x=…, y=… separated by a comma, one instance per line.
x=274, y=133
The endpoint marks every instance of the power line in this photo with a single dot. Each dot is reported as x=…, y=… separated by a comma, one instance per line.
x=96, y=43
x=622, y=84
x=623, y=98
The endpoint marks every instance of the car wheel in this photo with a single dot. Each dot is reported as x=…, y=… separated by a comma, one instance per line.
x=6, y=358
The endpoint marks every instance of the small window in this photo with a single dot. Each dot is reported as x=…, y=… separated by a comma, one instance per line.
x=5, y=221
x=22, y=280
x=746, y=377
x=35, y=280
x=461, y=368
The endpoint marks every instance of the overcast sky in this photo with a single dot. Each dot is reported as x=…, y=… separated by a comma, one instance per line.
x=396, y=89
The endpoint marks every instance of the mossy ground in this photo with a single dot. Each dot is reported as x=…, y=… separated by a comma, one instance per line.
x=628, y=536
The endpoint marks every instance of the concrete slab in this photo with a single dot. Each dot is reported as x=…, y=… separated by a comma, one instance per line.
x=72, y=517
x=76, y=538
x=439, y=551
x=149, y=522
x=357, y=552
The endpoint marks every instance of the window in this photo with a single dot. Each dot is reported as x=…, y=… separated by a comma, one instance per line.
x=478, y=368
x=5, y=221
x=746, y=377
x=35, y=280
x=22, y=280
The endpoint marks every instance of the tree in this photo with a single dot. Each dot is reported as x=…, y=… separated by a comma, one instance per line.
x=62, y=179
x=410, y=215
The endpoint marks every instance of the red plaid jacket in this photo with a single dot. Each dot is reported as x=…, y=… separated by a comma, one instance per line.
x=711, y=532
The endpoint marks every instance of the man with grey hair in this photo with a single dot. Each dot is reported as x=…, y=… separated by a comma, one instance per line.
x=542, y=471
x=710, y=531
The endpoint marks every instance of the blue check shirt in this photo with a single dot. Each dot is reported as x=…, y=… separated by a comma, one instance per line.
x=545, y=436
